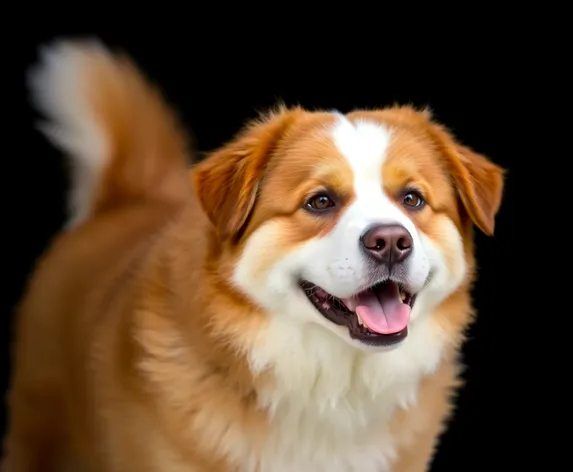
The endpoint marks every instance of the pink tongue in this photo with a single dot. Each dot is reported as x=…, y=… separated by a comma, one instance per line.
x=382, y=312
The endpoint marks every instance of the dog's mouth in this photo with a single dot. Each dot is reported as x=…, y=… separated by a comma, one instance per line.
x=378, y=316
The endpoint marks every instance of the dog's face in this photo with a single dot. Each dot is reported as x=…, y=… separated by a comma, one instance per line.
x=358, y=223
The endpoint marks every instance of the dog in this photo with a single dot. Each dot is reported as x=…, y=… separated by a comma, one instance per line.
x=296, y=301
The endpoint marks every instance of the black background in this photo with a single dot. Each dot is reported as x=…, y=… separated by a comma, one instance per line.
x=217, y=81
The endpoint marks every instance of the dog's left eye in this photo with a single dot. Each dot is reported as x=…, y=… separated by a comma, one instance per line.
x=413, y=199
x=319, y=202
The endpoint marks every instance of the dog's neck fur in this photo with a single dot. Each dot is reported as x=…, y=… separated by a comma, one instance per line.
x=325, y=395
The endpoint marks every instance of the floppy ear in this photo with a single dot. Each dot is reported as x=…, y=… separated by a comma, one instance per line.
x=479, y=182
x=227, y=181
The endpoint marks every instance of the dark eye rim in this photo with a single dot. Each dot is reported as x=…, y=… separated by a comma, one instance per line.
x=307, y=206
x=422, y=199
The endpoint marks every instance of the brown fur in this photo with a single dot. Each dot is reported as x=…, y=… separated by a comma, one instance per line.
x=128, y=350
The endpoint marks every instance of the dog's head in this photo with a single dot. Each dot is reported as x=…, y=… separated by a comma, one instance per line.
x=360, y=223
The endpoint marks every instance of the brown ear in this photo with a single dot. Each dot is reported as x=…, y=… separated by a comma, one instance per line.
x=479, y=181
x=226, y=182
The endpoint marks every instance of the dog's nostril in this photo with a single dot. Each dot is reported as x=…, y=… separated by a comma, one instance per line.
x=404, y=243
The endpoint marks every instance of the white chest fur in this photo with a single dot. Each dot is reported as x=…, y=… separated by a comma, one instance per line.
x=332, y=404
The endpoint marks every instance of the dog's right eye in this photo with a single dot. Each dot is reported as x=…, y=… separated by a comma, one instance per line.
x=319, y=202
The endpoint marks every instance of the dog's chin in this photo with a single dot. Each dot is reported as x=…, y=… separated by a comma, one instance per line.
x=376, y=318
x=345, y=339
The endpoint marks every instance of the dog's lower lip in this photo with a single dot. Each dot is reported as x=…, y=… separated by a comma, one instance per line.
x=334, y=310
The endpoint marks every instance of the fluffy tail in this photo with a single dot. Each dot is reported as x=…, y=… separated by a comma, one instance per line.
x=123, y=142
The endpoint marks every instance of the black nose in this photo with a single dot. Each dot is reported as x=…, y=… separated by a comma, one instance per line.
x=388, y=244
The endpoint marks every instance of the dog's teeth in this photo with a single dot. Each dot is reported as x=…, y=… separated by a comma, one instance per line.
x=403, y=296
x=360, y=322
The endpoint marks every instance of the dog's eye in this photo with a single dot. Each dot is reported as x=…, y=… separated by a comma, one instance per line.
x=413, y=199
x=319, y=202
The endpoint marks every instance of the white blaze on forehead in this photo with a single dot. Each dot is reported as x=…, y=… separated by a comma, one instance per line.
x=364, y=144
